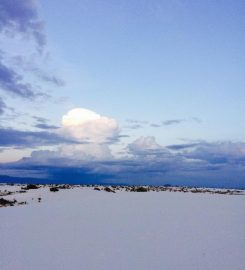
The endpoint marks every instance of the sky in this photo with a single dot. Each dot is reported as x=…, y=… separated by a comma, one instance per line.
x=137, y=92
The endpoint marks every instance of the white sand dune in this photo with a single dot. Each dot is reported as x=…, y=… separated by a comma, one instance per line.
x=82, y=228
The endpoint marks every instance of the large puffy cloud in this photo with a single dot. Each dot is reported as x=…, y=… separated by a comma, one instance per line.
x=83, y=124
x=95, y=132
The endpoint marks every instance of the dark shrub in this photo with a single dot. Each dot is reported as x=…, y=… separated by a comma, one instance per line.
x=54, y=189
x=32, y=186
x=141, y=189
x=4, y=202
x=109, y=189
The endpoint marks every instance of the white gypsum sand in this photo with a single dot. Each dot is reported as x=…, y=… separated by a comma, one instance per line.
x=82, y=228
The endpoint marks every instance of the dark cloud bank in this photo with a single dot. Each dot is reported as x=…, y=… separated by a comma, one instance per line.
x=220, y=164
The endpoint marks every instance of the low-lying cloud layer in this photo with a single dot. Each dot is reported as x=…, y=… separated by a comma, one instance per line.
x=206, y=164
x=81, y=146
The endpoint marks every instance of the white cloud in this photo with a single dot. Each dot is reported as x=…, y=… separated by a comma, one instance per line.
x=79, y=116
x=83, y=124
x=143, y=144
x=91, y=128
x=86, y=152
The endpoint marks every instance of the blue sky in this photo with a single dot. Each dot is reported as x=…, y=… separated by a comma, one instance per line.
x=158, y=85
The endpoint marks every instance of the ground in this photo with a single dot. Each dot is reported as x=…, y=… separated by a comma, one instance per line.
x=83, y=228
